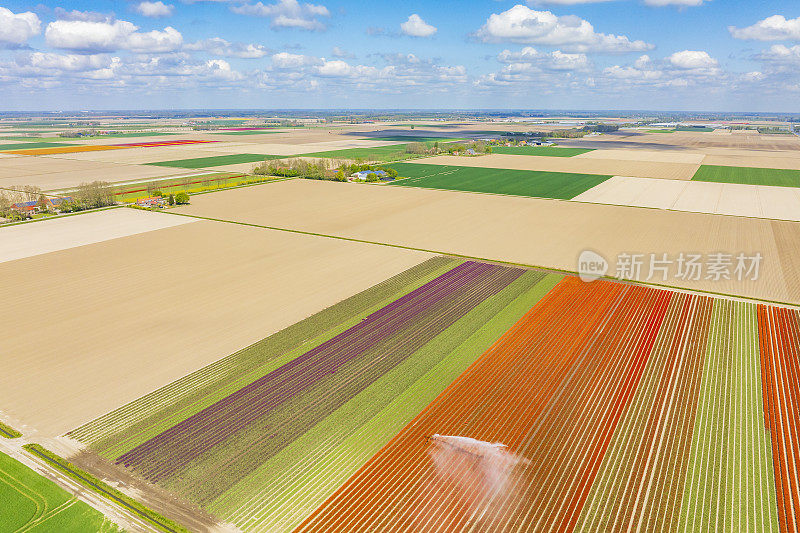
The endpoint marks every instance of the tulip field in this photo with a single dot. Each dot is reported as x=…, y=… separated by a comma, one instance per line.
x=610, y=406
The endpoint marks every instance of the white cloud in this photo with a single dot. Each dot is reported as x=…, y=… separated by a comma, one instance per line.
x=523, y=25
x=287, y=14
x=781, y=55
x=335, y=69
x=109, y=36
x=692, y=59
x=340, y=52
x=679, y=3
x=17, y=28
x=220, y=47
x=774, y=28
x=154, y=9
x=285, y=60
x=90, y=16
x=566, y=2
x=64, y=62
x=556, y=60
x=416, y=27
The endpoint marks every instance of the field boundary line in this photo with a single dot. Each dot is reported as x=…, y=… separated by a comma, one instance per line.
x=729, y=296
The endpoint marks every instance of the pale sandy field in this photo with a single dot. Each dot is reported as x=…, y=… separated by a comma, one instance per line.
x=649, y=156
x=547, y=233
x=748, y=141
x=644, y=169
x=45, y=236
x=98, y=326
x=779, y=203
x=786, y=160
x=141, y=156
x=51, y=173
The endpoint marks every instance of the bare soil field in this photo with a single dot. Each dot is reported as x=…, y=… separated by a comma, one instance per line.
x=547, y=233
x=711, y=140
x=579, y=165
x=45, y=236
x=786, y=160
x=98, y=326
x=779, y=203
x=649, y=156
x=52, y=173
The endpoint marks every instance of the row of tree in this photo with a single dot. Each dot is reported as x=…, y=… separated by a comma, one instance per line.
x=14, y=202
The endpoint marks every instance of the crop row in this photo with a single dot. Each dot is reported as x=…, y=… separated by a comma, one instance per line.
x=208, y=452
x=637, y=409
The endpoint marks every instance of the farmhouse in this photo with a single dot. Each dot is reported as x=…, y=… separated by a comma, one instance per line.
x=364, y=174
x=153, y=201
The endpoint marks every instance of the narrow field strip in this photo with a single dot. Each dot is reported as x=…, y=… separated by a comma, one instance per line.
x=550, y=151
x=780, y=342
x=216, y=161
x=749, y=176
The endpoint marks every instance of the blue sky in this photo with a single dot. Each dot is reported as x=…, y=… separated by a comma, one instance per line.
x=715, y=55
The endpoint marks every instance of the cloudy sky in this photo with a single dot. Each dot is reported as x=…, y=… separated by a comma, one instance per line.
x=726, y=55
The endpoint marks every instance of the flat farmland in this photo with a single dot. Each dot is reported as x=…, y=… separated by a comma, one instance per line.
x=749, y=175
x=496, y=181
x=762, y=201
x=139, y=156
x=640, y=409
x=784, y=160
x=34, y=503
x=375, y=153
x=515, y=229
x=550, y=151
x=138, y=312
x=650, y=156
x=45, y=236
x=264, y=436
x=215, y=161
x=577, y=165
x=51, y=173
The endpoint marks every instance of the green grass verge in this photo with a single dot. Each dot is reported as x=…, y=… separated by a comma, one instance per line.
x=561, y=185
x=550, y=151
x=150, y=415
x=295, y=481
x=750, y=176
x=23, y=146
x=659, y=131
x=9, y=432
x=86, y=479
x=192, y=185
x=30, y=502
x=217, y=161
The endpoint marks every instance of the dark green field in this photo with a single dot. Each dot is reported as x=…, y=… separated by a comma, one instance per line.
x=377, y=153
x=552, y=151
x=30, y=502
x=691, y=128
x=748, y=176
x=561, y=185
x=217, y=161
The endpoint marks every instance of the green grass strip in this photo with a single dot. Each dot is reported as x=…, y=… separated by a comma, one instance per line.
x=531, y=183
x=9, y=432
x=777, y=177
x=175, y=402
x=294, y=482
x=414, y=138
x=377, y=153
x=550, y=151
x=216, y=161
x=86, y=479
x=702, y=129
x=25, y=146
